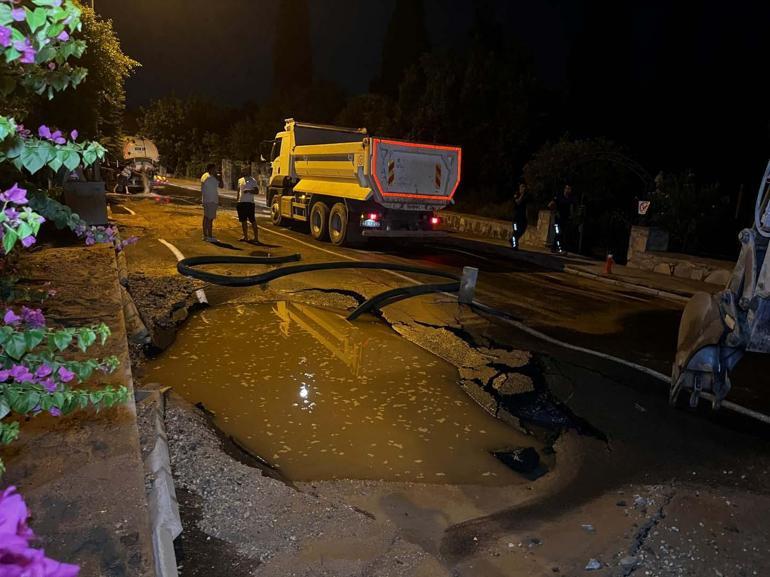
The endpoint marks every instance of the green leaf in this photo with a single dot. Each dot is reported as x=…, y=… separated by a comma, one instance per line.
x=15, y=346
x=5, y=15
x=70, y=158
x=9, y=240
x=86, y=337
x=4, y=408
x=36, y=18
x=5, y=334
x=33, y=337
x=62, y=339
x=34, y=157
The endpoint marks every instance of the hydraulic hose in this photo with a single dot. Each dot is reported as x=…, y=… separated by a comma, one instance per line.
x=187, y=267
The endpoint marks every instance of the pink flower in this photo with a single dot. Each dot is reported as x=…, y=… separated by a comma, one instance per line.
x=27, y=51
x=15, y=194
x=74, y=135
x=13, y=515
x=55, y=412
x=4, y=374
x=33, y=317
x=18, y=14
x=11, y=318
x=57, y=137
x=66, y=375
x=63, y=37
x=49, y=385
x=43, y=371
x=44, y=132
x=5, y=36
x=21, y=374
x=28, y=241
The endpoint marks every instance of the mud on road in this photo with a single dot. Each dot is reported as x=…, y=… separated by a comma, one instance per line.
x=621, y=483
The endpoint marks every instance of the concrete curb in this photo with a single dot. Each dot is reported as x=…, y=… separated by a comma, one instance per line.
x=558, y=264
x=637, y=287
x=164, y=509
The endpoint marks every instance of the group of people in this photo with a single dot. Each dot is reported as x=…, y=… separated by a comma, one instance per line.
x=248, y=188
x=563, y=206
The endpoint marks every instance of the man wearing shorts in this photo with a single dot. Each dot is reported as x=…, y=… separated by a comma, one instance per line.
x=210, y=200
x=247, y=188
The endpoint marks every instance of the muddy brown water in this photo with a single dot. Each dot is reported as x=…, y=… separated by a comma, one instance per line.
x=322, y=398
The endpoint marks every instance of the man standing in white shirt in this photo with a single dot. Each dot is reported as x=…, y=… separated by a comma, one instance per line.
x=210, y=201
x=247, y=188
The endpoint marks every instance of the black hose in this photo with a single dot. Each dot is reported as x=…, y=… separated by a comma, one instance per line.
x=187, y=266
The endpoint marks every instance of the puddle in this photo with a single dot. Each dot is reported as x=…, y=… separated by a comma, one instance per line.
x=322, y=398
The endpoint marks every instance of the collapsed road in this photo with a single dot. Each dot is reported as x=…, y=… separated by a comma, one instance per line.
x=595, y=467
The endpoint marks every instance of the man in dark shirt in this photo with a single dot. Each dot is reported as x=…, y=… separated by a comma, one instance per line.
x=563, y=206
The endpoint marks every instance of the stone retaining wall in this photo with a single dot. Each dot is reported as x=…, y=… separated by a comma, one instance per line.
x=537, y=235
x=647, y=251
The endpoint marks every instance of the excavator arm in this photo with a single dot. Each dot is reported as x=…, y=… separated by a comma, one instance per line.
x=716, y=330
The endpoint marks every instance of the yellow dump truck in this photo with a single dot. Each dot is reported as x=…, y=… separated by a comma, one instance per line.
x=349, y=186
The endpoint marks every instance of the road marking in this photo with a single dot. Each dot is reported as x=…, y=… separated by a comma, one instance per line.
x=131, y=212
x=179, y=256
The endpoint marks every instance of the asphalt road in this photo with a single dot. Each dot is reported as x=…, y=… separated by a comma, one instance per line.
x=629, y=324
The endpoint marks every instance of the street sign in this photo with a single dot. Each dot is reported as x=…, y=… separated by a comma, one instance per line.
x=644, y=206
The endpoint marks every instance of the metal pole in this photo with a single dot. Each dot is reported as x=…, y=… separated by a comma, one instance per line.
x=468, y=285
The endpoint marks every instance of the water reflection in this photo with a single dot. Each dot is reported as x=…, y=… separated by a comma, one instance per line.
x=323, y=398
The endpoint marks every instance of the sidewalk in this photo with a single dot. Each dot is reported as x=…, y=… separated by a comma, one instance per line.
x=645, y=281
x=82, y=475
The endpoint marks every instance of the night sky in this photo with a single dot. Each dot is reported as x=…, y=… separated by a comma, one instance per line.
x=223, y=49
x=683, y=84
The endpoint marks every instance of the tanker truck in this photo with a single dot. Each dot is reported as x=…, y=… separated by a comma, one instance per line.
x=348, y=186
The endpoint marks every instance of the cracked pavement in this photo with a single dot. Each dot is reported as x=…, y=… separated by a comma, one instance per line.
x=604, y=433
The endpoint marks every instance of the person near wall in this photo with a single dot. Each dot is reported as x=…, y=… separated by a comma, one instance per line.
x=520, y=204
x=563, y=206
x=210, y=201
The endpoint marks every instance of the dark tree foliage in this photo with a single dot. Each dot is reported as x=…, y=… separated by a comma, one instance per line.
x=97, y=105
x=406, y=40
x=292, y=50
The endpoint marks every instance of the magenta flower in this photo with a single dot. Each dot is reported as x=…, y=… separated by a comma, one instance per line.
x=55, y=412
x=4, y=374
x=18, y=14
x=27, y=51
x=15, y=194
x=52, y=66
x=44, y=132
x=17, y=558
x=28, y=241
x=33, y=317
x=63, y=37
x=74, y=135
x=43, y=371
x=11, y=214
x=66, y=375
x=13, y=516
x=21, y=374
x=49, y=385
x=5, y=36
x=11, y=318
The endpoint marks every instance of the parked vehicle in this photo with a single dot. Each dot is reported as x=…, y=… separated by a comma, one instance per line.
x=349, y=186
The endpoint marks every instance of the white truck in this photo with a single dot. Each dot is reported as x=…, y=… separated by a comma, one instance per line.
x=349, y=186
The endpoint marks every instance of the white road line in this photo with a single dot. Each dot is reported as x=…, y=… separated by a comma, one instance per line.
x=179, y=256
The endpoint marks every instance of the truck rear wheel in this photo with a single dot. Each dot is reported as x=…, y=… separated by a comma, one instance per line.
x=338, y=224
x=275, y=211
x=319, y=221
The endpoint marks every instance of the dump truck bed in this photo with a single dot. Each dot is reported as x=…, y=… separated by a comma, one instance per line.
x=396, y=174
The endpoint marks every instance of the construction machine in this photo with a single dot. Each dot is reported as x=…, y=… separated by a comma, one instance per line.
x=716, y=330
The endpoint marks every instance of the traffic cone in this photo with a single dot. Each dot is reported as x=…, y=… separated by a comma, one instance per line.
x=608, y=264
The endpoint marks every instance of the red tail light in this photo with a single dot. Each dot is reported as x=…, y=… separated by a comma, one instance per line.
x=434, y=220
x=374, y=216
